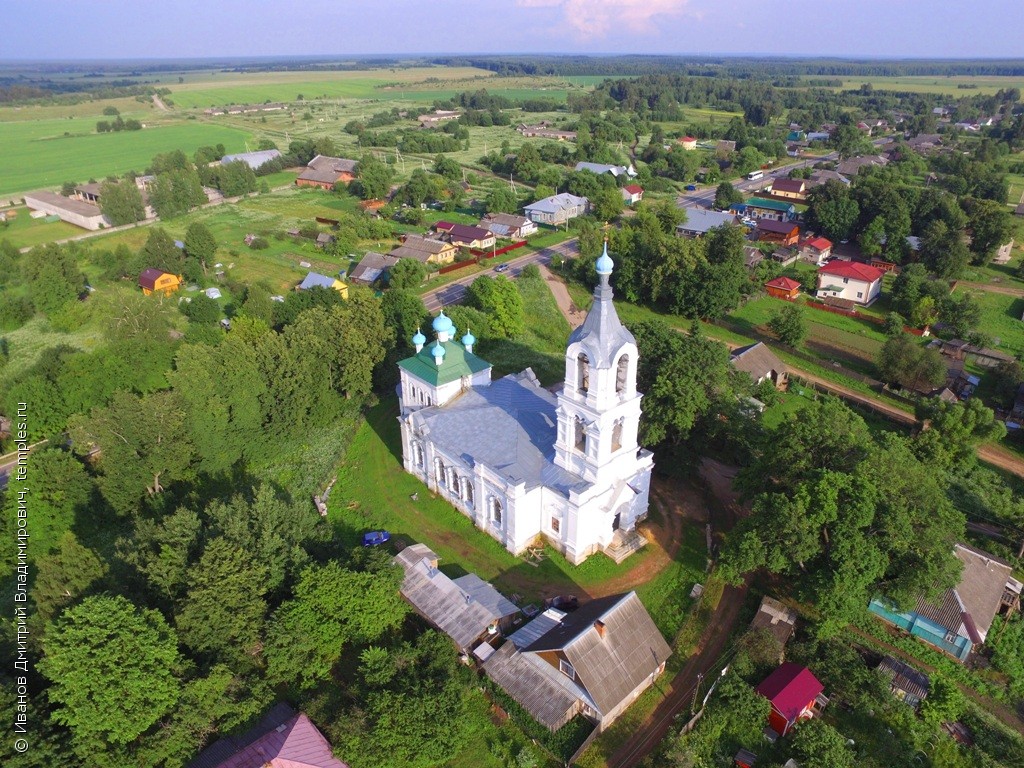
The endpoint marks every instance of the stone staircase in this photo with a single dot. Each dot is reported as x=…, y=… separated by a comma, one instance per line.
x=624, y=544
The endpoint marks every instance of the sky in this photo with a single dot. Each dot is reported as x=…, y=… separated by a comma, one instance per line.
x=117, y=29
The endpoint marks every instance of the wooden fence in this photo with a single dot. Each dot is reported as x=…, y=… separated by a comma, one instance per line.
x=491, y=254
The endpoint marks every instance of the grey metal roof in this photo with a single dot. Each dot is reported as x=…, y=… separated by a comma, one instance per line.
x=509, y=426
x=463, y=615
x=253, y=159
x=327, y=169
x=556, y=203
x=548, y=695
x=81, y=207
x=371, y=266
x=536, y=629
x=602, y=333
x=316, y=280
x=610, y=662
x=699, y=221
x=599, y=168
x=904, y=677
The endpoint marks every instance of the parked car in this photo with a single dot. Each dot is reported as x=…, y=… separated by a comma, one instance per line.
x=375, y=538
x=501, y=268
x=691, y=187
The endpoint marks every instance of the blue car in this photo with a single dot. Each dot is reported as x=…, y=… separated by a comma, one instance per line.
x=375, y=538
x=691, y=187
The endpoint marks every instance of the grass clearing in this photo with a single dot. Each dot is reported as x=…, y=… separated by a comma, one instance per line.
x=23, y=230
x=29, y=341
x=1001, y=319
x=980, y=85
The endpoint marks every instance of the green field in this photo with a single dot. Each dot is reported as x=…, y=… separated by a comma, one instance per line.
x=1001, y=319
x=23, y=230
x=934, y=84
x=45, y=153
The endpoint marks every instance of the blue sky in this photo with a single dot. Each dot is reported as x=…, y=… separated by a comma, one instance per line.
x=88, y=29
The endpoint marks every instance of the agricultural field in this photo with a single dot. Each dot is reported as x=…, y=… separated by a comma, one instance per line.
x=980, y=85
x=45, y=153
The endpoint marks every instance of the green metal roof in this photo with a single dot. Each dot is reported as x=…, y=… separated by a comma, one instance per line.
x=775, y=205
x=457, y=363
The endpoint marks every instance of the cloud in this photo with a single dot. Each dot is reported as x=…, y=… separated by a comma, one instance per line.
x=597, y=18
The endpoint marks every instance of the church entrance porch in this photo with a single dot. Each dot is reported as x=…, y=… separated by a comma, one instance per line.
x=624, y=543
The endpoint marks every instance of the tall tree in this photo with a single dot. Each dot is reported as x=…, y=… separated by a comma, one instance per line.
x=121, y=202
x=788, y=325
x=501, y=300
x=113, y=669
x=64, y=575
x=200, y=244
x=501, y=199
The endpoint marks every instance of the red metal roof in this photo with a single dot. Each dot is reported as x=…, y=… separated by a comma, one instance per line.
x=852, y=269
x=295, y=744
x=634, y=189
x=688, y=139
x=785, y=283
x=148, y=278
x=821, y=243
x=790, y=688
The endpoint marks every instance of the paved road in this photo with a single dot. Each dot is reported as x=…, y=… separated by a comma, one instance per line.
x=455, y=292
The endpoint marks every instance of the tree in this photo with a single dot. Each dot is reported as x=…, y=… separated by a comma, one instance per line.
x=1007, y=378
x=53, y=277
x=374, y=178
x=202, y=310
x=121, y=202
x=788, y=325
x=142, y=443
x=64, y=575
x=223, y=612
x=160, y=252
x=332, y=607
x=945, y=702
x=404, y=313
x=407, y=274
x=819, y=745
x=989, y=222
x=236, y=178
x=177, y=191
x=607, y=204
x=112, y=666
x=944, y=250
x=200, y=244
x=726, y=194
x=953, y=431
x=961, y=312
x=903, y=360
x=501, y=199
x=499, y=298
x=445, y=166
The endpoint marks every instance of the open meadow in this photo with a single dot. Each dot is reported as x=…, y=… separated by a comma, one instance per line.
x=948, y=86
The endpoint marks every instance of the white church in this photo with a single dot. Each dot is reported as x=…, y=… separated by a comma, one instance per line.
x=522, y=462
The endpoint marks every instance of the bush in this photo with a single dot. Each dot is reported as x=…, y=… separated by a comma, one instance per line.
x=259, y=244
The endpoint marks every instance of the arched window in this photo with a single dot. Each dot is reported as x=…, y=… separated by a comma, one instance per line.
x=582, y=373
x=621, y=374
x=617, y=435
x=467, y=491
x=495, y=511
x=580, y=435
x=439, y=471
x=417, y=454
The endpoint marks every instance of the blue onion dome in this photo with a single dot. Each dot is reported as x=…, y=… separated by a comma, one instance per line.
x=604, y=262
x=437, y=350
x=442, y=323
x=419, y=339
x=469, y=339
x=452, y=331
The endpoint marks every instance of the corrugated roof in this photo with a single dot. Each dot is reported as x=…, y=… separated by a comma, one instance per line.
x=785, y=283
x=148, y=277
x=375, y=263
x=462, y=614
x=537, y=628
x=778, y=227
x=699, y=221
x=316, y=280
x=789, y=185
x=556, y=203
x=757, y=360
x=253, y=159
x=776, y=618
x=790, y=688
x=852, y=269
x=904, y=677
x=771, y=205
x=612, y=660
x=548, y=695
x=80, y=207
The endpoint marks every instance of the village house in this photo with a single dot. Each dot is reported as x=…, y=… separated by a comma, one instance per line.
x=283, y=738
x=852, y=166
x=316, y=280
x=777, y=620
x=467, y=609
x=790, y=189
x=816, y=250
x=324, y=172
x=819, y=177
x=783, y=288
x=958, y=623
x=594, y=661
x=522, y=462
x=724, y=148
x=508, y=225
x=905, y=683
x=78, y=212
x=614, y=170
x=794, y=693
x=762, y=208
x=372, y=267
x=700, y=221
x=632, y=194
x=557, y=209
x=426, y=250
x=254, y=160
x=760, y=363
x=752, y=256
x=465, y=236
x=545, y=130
x=688, y=142
x=851, y=280
x=781, y=232
x=157, y=281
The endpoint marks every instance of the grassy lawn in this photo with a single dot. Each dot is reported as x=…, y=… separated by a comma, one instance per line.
x=36, y=336
x=23, y=230
x=46, y=153
x=1001, y=319
x=986, y=85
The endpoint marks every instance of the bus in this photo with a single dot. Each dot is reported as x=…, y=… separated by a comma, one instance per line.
x=755, y=175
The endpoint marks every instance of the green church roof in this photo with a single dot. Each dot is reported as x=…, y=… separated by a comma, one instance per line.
x=457, y=363
x=774, y=205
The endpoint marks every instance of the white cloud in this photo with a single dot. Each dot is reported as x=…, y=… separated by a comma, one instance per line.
x=599, y=18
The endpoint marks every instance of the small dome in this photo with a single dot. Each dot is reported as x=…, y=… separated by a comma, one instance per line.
x=437, y=350
x=419, y=339
x=442, y=323
x=604, y=262
x=469, y=339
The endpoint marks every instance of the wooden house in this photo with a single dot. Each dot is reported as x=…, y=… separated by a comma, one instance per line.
x=157, y=281
x=783, y=288
x=316, y=280
x=781, y=232
x=793, y=692
x=760, y=363
x=324, y=172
